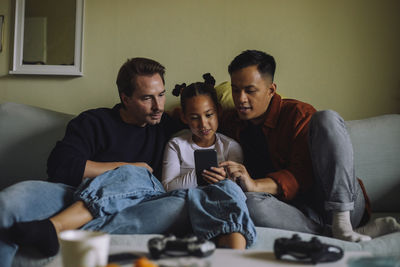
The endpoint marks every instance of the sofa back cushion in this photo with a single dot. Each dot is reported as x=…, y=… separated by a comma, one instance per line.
x=27, y=135
x=376, y=143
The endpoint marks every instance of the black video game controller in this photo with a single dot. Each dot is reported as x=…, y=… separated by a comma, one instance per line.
x=173, y=246
x=314, y=251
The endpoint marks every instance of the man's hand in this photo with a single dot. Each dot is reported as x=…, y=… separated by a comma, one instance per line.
x=238, y=173
x=215, y=175
x=94, y=168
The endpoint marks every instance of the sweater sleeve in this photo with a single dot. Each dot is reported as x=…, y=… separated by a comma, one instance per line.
x=67, y=161
x=172, y=178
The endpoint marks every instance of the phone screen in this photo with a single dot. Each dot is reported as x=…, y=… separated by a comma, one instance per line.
x=204, y=159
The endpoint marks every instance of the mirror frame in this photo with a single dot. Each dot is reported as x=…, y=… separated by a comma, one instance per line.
x=19, y=68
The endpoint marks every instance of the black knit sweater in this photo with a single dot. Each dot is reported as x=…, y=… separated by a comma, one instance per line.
x=101, y=135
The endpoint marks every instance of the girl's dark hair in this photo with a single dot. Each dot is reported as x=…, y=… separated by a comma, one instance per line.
x=195, y=89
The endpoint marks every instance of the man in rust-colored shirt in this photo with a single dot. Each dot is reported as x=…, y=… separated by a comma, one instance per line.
x=298, y=172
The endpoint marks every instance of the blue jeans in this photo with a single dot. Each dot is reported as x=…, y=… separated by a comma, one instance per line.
x=117, y=189
x=129, y=200
x=335, y=186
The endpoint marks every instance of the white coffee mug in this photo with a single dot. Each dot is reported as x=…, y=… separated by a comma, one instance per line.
x=80, y=248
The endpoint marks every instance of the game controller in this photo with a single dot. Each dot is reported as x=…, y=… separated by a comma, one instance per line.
x=314, y=251
x=173, y=246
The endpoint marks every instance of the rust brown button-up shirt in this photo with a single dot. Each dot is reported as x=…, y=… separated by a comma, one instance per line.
x=285, y=129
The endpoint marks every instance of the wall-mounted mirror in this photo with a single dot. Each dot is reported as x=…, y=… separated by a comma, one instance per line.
x=48, y=37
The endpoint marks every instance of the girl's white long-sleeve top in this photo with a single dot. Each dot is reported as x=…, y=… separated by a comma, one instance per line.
x=178, y=163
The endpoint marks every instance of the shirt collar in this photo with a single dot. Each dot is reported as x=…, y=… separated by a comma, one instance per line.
x=274, y=108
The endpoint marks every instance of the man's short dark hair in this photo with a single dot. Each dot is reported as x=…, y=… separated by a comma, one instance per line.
x=265, y=63
x=136, y=67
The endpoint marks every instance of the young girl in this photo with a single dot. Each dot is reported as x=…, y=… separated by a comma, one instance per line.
x=200, y=106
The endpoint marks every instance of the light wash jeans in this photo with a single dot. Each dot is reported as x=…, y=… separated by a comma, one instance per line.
x=335, y=187
x=129, y=200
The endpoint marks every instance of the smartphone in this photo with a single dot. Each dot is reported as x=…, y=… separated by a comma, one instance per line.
x=204, y=159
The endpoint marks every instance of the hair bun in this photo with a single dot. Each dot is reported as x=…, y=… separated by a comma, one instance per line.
x=209, y=79
x=178, y=89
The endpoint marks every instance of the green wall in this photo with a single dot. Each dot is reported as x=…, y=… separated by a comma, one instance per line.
x=335, y=54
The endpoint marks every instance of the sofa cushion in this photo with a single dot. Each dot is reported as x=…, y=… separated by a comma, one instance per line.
x=224, y=94
x=376, y=143
x=27, y=136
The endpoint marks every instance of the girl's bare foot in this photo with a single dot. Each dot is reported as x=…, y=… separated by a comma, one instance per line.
x=232, y=240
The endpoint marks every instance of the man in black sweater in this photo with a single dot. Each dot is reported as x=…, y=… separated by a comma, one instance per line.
x=132, y=132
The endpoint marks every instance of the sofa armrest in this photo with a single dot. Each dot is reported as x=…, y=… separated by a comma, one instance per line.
x=376, y=143
x=27, y=136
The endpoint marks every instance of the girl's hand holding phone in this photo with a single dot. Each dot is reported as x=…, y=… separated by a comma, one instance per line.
x=215, y=175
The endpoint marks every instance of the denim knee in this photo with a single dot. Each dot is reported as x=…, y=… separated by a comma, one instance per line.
x=326, y=120
x=118, y=189
x=32, y=200
x=12, y=204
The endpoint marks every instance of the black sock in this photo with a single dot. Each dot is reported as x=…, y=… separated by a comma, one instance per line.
x=40, y=234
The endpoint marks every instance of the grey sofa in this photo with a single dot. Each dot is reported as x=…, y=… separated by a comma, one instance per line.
x=27, y=135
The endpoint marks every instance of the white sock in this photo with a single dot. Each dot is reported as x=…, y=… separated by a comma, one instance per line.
x=379, y=226
x=342, y=229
